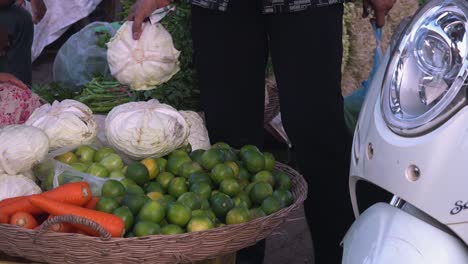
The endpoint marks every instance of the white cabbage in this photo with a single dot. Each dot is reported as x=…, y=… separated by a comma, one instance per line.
x=142, y=64
x=146, y=129
x=21, y=147
x=66, y=123
x=198, y=137
x=17, y=185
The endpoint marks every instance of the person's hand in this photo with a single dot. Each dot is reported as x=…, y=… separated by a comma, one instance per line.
x=4, y=41
x=141, y=10
x=39, y=10
x=8, y=78
x=38, y=7
x=381, y=9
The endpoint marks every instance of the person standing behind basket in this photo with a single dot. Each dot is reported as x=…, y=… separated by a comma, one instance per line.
x=232, y=40
x=16, y=37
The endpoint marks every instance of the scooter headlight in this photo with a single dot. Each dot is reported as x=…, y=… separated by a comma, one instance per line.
x=425, y=78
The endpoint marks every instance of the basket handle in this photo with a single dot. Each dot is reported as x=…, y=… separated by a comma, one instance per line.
x=73, y=219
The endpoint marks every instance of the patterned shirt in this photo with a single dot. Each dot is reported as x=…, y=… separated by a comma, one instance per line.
x=270, y=6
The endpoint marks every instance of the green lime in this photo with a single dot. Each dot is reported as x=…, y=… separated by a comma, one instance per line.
x=256, y=213
x=285, y=197
x=248, y=188
x=152, y=212
x=177, y=187
x=269, y=161
x=98, y=170
x=221, y=172
x=242, y=200
x=145, y=228
x=201, y=212
x=178, y=153
x=243, y=184
x=188, y=168
x=246, y=148
x=230, y=187
x=221, y=204
x=196, y=155
x=205, y=205
x=135, y=189
x=175, y=162
x=235, y=168
x=127, y=182
x=154, y=187
x=229, y=155
x=202, y=188
x=211, y=158
x=135, y=202
x=221, y=145
x=154, y=196
x=187, y=148
x=199, y=223
x=178, y=214
x=138, y=173
x=191, y=200
x=172, y=230
x=283, y=181
x=260, y=191
x=271, y=205
x=116, y=174
x=102, y=153
x=264, y=176
x=126, y=215
x=80, y=166
x=107, y=204
x=244, y=174
x=129, y=235
x=164, y=179
x=254, y=161
x=112, y=188
x=166, y=200
x=162, y=164
x=198, y=177
x=238, y=215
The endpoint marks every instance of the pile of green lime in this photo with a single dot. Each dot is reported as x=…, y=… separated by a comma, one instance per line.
x=189, y=191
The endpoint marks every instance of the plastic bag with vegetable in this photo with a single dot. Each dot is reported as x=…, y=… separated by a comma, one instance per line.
x=84, y=55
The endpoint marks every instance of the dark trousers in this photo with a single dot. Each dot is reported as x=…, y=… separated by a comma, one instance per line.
x=231, y=51
x=19, y=25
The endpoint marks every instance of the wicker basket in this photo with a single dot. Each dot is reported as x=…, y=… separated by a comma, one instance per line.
x=184, y=248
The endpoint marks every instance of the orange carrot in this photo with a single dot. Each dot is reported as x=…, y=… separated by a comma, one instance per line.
x=4, y=219
x=77, y=193
x=23, y=219
x=92, y=203
x=113, y=224
x=9, y=200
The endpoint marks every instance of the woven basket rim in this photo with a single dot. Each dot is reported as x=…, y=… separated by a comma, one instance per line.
x=260, y=228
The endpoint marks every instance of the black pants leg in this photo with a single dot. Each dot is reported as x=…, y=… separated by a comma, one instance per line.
x=230, y=57
x=307, y=50
x=20, y=28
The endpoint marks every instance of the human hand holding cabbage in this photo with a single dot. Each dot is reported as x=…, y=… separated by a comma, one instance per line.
x=141, y=10
x=380, y=8
x=38, y=7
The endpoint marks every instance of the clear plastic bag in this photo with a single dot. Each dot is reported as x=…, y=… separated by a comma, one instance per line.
x=53, y=173
x=354, y=101
x=81, y=57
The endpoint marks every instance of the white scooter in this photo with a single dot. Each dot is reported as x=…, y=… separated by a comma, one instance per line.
x=412, y=140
